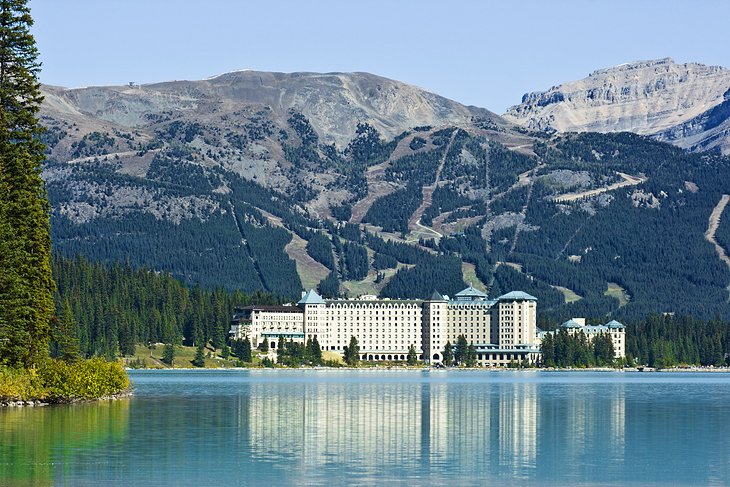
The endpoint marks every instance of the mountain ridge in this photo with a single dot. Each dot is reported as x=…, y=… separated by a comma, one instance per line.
x=652, y=97
x=390, y=106
x=231, y=183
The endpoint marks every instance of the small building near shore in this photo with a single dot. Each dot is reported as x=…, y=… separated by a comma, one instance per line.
x=614, y=329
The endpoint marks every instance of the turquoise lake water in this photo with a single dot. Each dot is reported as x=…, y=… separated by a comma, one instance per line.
x=381, y=427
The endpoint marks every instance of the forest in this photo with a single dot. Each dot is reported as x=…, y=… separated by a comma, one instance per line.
x=110, y=308
x=665, y=341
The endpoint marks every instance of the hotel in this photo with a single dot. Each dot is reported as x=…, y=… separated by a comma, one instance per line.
x=503, y=330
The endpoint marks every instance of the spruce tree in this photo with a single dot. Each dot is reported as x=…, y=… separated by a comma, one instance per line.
x=448, y=355
x=26, y=295
x=412, y=358
x=461, y=349
x=314, y=350
x=246, y=350
x=471, y=355
x=199, y=360
x=168, y=354
x=351, y=352
x=65, y=344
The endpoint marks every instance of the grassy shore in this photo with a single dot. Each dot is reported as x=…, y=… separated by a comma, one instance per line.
x=150, y=357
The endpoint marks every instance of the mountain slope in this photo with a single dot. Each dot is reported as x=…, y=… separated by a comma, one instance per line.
x=214, y=185
x=334, y=103
x=676, y=102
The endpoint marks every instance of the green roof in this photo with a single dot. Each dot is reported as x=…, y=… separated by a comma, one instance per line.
x=615, y=324
x=471, y=292
x=311, y=298
x=571, y=324
x=516, y=296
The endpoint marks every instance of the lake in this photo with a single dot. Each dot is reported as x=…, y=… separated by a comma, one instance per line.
x=380, y=427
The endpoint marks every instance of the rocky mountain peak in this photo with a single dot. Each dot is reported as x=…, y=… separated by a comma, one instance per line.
x=334, y=103
x=645, y=97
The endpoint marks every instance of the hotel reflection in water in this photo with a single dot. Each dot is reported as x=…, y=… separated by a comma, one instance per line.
x=430, y=425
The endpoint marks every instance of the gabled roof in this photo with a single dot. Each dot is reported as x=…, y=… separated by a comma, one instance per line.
x=311, y=298
x=436, y=297
x=615, y=324
x=571, y=324
x=516, y=296
x=470, y=292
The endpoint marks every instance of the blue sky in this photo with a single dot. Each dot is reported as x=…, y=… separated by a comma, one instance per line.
x=476, y=52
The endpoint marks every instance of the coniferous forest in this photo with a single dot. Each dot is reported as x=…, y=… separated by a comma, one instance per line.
x=27, y=324
x=111, y=308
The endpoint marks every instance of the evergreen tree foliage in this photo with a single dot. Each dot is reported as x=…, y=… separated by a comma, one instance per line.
x=26, y=293
x=382, y=261
x=461, y=352
x=351, y=352
x=329, y=287
x=470, y=359
x=319, y=248
x=65, y=343
x=664, y=341
x=563, y=349
x=448, y=355
x=242, y=349
x=412, y=358
x=315, y=350
x=168, y=354
x=354, y=262
x=392, y=212
x=110, y=309
x=199, y=360
x=245, y=354
x=443, y=271
x=294, y=354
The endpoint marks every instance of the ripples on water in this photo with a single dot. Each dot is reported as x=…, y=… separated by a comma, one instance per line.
x=375, y=427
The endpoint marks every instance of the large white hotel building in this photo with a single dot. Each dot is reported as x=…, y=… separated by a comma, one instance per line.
x=503, y=330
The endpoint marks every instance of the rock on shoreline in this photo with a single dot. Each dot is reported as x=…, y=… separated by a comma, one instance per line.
x=64, y=400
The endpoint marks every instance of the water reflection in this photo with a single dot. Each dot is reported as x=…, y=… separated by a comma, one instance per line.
x=34, y=441
x=334, y=427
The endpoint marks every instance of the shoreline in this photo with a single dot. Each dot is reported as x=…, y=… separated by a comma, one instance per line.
x=18, y=403
x=454, y=369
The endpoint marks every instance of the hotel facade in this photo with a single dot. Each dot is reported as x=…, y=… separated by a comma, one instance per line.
x=503, y=330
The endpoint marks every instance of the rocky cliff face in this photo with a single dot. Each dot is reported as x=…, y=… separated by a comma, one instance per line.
x=676, y=102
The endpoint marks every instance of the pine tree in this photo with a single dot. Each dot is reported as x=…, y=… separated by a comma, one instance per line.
x=168, y=354
x=245, y=355
x=199, y=360
x=65, y=345
x=26, y=296
x=412, y=358
x=471, y=355
x=315, y=351
x=448, y=355
x=461, y=350
x=352, y=352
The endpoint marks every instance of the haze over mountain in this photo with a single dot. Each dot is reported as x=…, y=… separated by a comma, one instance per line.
x=358, y=184
x=685, y=104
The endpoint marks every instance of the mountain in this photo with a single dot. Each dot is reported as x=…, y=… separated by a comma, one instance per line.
x=334, y=103
x=242, y=121
x=278, y=182
x=685, y=104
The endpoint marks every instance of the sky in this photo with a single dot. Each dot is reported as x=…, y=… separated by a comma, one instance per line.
x=483, y=53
